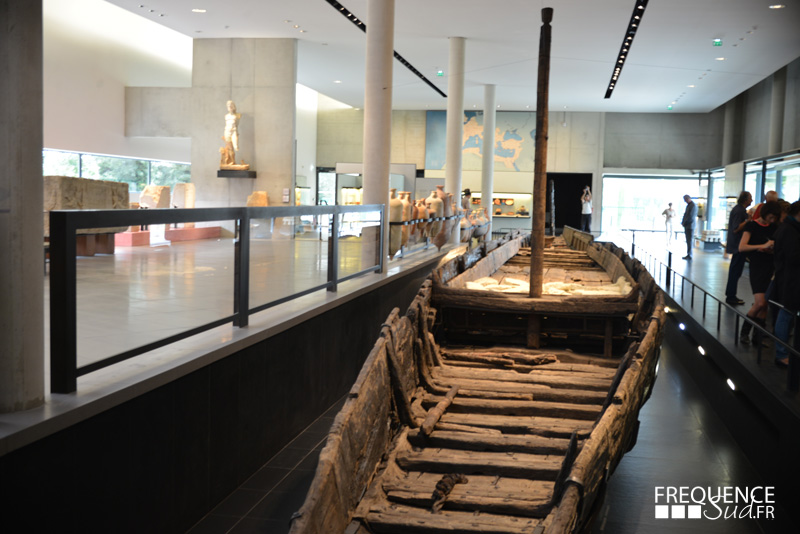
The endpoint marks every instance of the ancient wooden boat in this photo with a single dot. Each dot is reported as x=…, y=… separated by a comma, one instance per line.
x=493, y=412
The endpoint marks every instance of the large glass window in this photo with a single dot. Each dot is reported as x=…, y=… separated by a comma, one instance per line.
x=637, y=203
x=136, y=172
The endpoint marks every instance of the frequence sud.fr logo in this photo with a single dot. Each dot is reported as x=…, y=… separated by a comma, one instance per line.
x=724, y=502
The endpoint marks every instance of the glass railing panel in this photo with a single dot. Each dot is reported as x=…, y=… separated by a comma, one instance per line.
x=288, y=255
x=142, y=294
x=359, y=242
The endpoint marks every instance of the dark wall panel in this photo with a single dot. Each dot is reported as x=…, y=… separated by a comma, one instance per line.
x=160, y=462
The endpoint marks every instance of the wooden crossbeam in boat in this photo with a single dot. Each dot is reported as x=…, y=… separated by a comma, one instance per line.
x=398, y=519
x=516, y=407
x=517, y=465
x=504, y=504
x=576, y=361
x=477, y=388
x=551, y=379
x=538, y=426
x=502, y=442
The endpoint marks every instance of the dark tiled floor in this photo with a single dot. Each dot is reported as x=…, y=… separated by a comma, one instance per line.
x=681, y=442
x=266, y=501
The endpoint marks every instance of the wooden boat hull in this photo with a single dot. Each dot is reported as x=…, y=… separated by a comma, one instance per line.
x=443, y=437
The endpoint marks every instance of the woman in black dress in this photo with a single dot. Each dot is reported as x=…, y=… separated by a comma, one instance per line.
x=757, y=243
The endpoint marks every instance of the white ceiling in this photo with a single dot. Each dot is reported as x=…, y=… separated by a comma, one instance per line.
x=671, y=51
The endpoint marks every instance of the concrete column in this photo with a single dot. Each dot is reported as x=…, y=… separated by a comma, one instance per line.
x=776, y=113
x=728, y=132
x=455, y=125
x=378, y=108
x=21, y=193
x=487, y=164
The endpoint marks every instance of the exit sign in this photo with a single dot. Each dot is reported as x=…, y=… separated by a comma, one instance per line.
x=717, y=42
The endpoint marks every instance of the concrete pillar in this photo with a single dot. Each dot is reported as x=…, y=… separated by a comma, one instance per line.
x=21, y=194
x=729, y=132
x=777, y=109
x=487, y=164
x=455, y=125
x=378, y=108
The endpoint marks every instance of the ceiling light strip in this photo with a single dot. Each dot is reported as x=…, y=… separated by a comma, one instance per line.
x=363, y=27
x=627, y=41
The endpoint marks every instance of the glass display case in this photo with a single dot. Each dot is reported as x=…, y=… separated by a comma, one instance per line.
x=507, y=205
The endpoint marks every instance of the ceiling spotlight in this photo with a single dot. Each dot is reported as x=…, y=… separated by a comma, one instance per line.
x=296, y=26
x=197, y=10
x=777, y=6
x=719, y=58
x=302, y=31
x=690, y=86
x=337, y=81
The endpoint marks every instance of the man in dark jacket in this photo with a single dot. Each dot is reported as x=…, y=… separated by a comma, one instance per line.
x=688, y=222
x=735, y=224
x=787, y=265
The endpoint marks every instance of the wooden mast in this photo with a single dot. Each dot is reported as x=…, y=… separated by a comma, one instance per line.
x=540, y=163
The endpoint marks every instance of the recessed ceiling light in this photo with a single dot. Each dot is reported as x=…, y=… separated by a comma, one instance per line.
x=777, y=6
x=287, y=21
x=719, y=58
x=302, y=31
x=296, y=26
x=690, y=86
x=197, y=10
x=337, y=81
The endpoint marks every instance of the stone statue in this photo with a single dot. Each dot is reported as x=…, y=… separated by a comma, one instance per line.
x=231, y=138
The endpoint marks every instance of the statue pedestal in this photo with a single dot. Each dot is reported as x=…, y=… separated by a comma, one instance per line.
x=236, y=174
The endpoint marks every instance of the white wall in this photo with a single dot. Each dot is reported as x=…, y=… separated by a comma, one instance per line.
x=92, y=51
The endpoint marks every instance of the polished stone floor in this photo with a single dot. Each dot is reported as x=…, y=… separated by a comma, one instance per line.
x=681, y=442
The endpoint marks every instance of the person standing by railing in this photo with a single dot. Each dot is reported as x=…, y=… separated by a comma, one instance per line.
x=688, y=222
x=757, y=241
x=736, y=223
x=787, y=265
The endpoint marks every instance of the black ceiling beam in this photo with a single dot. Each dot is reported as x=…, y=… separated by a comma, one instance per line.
x=363, y=27
x=627, y=41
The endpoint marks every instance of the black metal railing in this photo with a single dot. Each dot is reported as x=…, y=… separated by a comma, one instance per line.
x=665, y=276
x=64, y=370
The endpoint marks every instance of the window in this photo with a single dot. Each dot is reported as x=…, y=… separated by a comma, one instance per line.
x=637, y=202
x=137, y=173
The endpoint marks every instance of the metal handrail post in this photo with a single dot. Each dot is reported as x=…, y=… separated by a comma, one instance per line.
x=669, y=268
x=241, y=271
x=633, y=242
x=381, y=238
x=333, y=251
x=63, y=302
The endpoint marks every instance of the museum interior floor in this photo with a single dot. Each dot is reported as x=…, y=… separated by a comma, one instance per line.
x=682, y=442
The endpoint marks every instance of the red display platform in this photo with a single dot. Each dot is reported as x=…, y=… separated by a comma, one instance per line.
x=190, y=234
x=133, y=239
